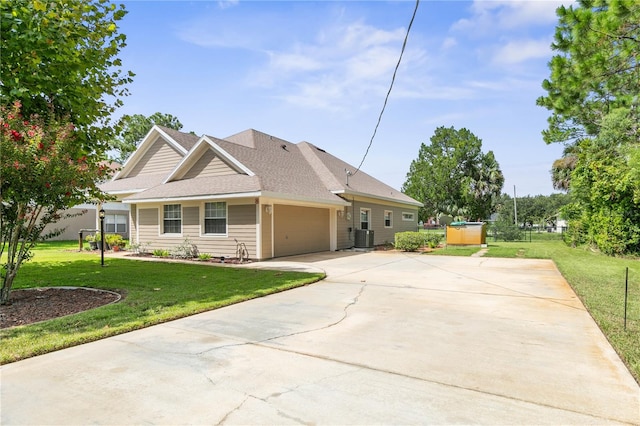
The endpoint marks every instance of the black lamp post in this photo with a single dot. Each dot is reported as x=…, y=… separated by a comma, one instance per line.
x=101, y=237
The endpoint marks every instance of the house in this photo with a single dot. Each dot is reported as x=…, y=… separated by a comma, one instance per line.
x=275, y=197
x=83, y=217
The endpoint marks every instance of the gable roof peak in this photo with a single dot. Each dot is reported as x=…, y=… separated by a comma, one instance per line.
x=185, y=140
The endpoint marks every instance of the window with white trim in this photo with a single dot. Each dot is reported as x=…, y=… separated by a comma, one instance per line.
x=388, y=219
x=365, y=217
x=215, y=218
x=408, y=216
x=172, y=219
x=115, y=223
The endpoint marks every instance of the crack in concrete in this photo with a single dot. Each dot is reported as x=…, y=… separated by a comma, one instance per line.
x=440, y=383
x=233, y=410
x=345, y=314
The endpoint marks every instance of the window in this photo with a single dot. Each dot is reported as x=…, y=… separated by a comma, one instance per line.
x=172, y=219
x=364, y=218
x=215, y=218
x=408, y=216
x=115, y=223
x=388, y=219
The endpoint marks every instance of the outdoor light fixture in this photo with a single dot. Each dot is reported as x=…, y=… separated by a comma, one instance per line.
x=101, y=215
x=269, y=209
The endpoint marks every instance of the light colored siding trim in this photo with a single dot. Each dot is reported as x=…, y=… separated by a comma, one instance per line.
x=266, y=233
x=209, y=165
x=133, y=223
x=300, y=230
x=160, y=157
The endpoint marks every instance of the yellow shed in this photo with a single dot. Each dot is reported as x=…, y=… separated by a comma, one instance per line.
x=467, y=233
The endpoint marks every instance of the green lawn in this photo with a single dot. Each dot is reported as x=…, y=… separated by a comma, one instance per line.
x=155, y=292
x=598, y=280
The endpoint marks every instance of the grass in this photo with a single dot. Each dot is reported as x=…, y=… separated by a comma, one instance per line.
x=599, y=282
x=155, y=292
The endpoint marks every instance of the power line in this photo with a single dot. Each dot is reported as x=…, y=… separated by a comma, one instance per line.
x=393, y=79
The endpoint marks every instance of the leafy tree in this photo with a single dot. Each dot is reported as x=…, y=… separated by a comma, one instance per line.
x=596, y=69
x=59, y=58
x=606, y=188
x=135, y=127
x=594, y=96
x=43, y=170
x=452, y=176
x=59, y=66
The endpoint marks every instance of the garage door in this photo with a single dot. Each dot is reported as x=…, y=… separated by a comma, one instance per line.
x=300, y=230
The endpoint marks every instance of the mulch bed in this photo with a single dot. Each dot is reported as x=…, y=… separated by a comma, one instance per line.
x=34, y=305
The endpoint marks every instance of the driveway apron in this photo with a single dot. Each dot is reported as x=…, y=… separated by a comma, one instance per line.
x=386, y=338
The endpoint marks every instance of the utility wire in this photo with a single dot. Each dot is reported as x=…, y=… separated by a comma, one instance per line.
x=393, y=79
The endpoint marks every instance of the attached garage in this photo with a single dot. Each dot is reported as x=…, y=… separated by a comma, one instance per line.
x=298, y=230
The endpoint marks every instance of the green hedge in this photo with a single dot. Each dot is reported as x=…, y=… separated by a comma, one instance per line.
x=412, y=241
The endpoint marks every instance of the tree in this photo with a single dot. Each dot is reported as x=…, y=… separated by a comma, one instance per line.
x=606, y=188
x=59, y=66
x=596, y=69
x=59, y=58
x=452, y=176
x=594, y=96
x=43, y=170
x=135, y=127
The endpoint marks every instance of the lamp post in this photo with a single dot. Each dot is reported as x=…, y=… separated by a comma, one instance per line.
x=101, y=237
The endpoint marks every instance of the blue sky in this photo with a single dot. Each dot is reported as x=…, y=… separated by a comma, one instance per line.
x=319, y=72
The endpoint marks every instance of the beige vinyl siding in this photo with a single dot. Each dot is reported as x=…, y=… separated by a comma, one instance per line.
x=160, y=157
x=300, y=230
x=86, y=219
x=345, y=239
x=209, y=165
x=266, y=228
x=381, y=234
x=148, y=226
x=241, y=225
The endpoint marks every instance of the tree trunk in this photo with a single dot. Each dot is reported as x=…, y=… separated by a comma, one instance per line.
x=6, y=287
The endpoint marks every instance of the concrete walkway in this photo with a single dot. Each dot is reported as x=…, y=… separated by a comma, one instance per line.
x=385, y=339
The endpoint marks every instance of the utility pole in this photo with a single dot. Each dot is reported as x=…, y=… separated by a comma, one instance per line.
x=515, y=207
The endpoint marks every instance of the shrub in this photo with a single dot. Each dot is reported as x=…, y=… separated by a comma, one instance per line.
x=114, y=240
x=186, y=250
x=161, y=253
x=204, y=256
x=433, y=240
x=409, y=241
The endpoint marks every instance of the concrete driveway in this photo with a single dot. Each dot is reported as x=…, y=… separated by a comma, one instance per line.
x=385, y=339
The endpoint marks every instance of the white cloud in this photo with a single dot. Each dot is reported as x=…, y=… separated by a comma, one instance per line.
x=225, y=4
x=489, y=16
x=343, y=67
x=293, y=62
x=518, y=51
x=448, y=43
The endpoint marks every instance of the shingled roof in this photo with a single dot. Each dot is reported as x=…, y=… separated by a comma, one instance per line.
x=274, y=167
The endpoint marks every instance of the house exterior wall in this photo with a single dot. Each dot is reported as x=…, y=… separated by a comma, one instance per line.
x=299, y=230
x=133, y=222
x=85, y=220
x=209, y=165
x=241, y=226
x=159, y=158
x=266, y=232
x=382, y=234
